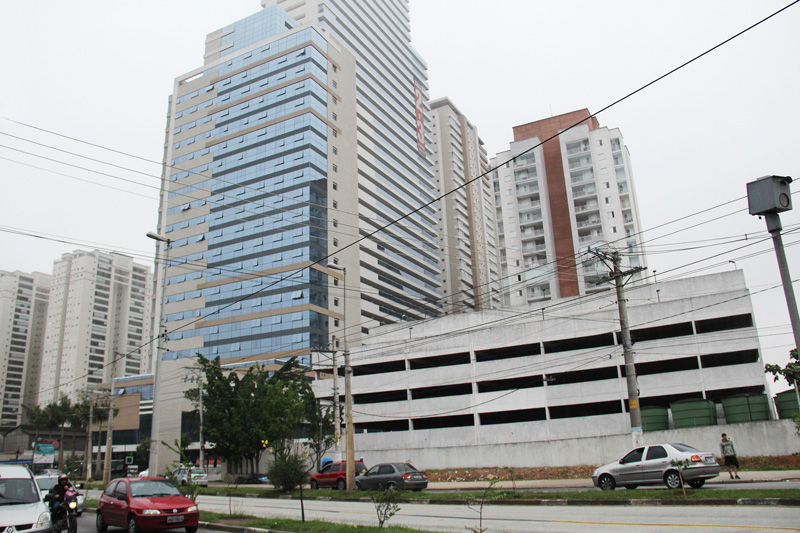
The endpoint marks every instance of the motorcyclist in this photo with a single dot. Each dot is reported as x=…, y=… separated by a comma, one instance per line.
x=59, y=492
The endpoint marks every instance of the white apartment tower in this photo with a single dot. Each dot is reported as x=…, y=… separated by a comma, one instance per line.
x=23, y=311
x=96, y=322
x=556, y=200
x=467, y=223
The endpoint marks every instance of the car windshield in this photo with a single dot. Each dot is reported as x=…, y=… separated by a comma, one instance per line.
x=146, y=489
x=46, y=483
x=684, y=448
x=408, y=467
x=15, y=491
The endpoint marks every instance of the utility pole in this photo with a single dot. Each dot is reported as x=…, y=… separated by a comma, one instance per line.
x=110, y=425
x=337, y=419
x=616, y=275
x=202, y=458
x=87, y=456
x=348, y=393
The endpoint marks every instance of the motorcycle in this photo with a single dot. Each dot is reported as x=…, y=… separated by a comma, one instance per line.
x=65, y=518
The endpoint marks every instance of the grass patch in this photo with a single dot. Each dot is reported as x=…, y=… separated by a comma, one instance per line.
x=589, y=494
x=297, y=526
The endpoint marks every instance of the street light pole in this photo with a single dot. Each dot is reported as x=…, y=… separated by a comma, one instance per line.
x=110, y=425
x=348, y=393
x=153, y=465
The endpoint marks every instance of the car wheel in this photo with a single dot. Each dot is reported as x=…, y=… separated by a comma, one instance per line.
x=391, y=486
x=607, y=482
x=672, y=480
x=192, y=529
x=631, y=487
x=697, y=483
x=314, y=485
x=100, y=524
x=133, y=526
x=341, y=484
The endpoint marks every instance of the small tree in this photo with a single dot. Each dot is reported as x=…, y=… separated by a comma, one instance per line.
x=680, y=465
x=477, y=505
x=386, y=505
x=190, y=489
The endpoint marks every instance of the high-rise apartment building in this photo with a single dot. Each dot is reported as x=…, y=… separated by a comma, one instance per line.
x=99, y=308
x=558, y=200
x=289, y=152
x=467, y=223
x=23, y=311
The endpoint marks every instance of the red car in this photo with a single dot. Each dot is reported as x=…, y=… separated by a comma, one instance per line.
x=334, y=475
x=145, y=504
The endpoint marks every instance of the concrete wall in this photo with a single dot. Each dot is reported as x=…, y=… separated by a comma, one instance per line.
x=776, y=437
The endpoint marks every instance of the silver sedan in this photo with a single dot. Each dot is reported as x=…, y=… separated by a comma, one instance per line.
x=658, y=463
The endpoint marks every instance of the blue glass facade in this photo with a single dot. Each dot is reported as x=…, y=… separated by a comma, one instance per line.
x=261, y=203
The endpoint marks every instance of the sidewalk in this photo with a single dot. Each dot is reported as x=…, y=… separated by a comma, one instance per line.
x=584, y=483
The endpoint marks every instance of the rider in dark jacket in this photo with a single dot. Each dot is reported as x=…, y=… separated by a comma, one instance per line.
x=59, y=491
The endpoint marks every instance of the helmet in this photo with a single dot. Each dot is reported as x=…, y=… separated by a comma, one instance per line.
x=62, y=478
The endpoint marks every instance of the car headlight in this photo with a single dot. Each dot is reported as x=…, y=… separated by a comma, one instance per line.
x=191, y=509
x=43, y=520
x=151, y=511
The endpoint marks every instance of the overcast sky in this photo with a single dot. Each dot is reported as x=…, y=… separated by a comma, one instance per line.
x=101, y=70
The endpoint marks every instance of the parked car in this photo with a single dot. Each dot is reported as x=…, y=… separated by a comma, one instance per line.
x=198, y=476
x=334, y=475
x=20, y=501
x=391, y=476
x=145, y=504
x=652, y=465
x=48, y=481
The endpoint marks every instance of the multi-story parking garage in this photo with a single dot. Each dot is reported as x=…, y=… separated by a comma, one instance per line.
x=459, y=390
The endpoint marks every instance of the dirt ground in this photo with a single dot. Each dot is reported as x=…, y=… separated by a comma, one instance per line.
x=784, y=462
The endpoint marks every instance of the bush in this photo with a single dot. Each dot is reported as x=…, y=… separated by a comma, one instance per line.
x=288, y=472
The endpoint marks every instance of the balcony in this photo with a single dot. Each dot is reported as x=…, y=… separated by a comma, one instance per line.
x=586, y=190
x=580, y=161
x=582, y=176
x=586, y=207
x=589, y=222
x=578, y=147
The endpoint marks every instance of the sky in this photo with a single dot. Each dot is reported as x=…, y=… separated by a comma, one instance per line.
x=92, y=77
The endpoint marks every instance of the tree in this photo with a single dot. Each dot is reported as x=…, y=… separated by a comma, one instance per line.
x=790, y=372
x=242, y=411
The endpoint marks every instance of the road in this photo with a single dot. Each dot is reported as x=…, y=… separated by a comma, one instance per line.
x=611, y=519
x=549, y=518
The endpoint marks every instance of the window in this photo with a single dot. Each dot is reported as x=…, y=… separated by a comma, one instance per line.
x=608, y=200
x=611, y=214
x=335, y=223
x=335, y=168
x=334, y=116
x=336, y=302
x=333, y=98
x=334, y=84
x=633, y=457
x=335, y=186
x=335, y=204
x=336, y=242
x=608, y=185
x=656, y=452
x=335, y=151
x=335, y=134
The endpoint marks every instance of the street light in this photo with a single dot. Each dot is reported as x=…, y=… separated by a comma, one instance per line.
x=153, y=462
x=348, y=394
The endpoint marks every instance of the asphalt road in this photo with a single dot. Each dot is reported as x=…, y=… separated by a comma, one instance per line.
x=518, y=519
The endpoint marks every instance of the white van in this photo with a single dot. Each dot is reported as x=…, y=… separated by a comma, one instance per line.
x=21, y=505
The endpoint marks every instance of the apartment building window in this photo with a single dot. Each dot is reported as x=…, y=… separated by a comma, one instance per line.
x=336, y=242
x=335, y=186
x=334, y=116
x=335, y=168
x=336, y=302
x=335, y=204
x=335, y=150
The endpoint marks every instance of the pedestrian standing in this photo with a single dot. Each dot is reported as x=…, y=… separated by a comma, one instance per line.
x=729, y=453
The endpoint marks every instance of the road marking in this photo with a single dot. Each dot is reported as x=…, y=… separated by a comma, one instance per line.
x=645, y=524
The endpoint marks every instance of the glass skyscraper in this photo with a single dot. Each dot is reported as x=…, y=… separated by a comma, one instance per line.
x=303, y=133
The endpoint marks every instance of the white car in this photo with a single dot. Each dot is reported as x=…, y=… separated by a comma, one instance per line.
x=48, y=481
x=21, y=505
x=198, y=475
